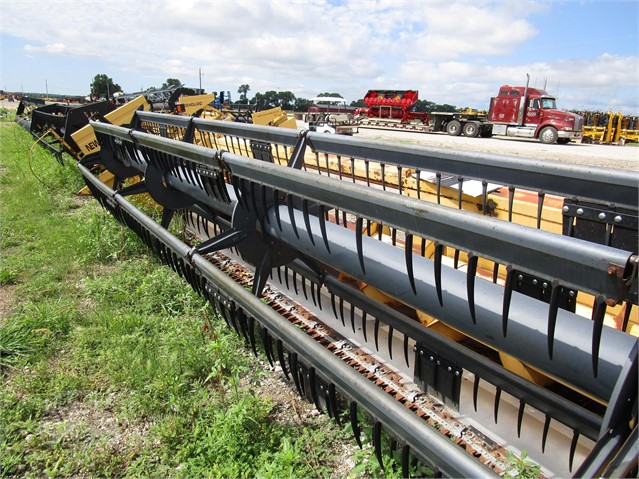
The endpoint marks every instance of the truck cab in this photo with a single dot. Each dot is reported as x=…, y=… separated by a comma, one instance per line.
x=532, y=113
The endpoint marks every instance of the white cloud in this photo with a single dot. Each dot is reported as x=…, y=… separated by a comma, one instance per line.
x=48, y=48
x=452, y=51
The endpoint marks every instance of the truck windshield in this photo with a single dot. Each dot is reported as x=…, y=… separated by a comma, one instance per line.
x=549, y=103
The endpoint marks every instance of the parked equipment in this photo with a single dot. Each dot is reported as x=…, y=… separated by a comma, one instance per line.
x=609, y=128
x=470, y=304
x=330, y=115
x=516, y=111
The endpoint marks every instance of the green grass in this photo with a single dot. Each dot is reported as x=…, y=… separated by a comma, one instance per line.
x=105, y=367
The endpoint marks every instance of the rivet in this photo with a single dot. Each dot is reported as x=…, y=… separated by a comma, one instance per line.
x=535, y=281
x=520, y=277
x=601, y=216
x=545, y=285
x=565, y=209
x=618, y=219
x=580, y=211
x=449, y=369
x=571, y=294
x=456, y=373
x=439, y=363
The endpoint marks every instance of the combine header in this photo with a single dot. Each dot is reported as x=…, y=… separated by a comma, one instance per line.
x=471, y=305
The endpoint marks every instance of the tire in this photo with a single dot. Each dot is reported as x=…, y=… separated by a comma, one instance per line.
x=563, y=141
x=471, y=129
x=454, y=128
x=548, y=135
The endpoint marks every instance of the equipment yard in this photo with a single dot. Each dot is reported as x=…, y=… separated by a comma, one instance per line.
x=609, y=156
x=467, y=304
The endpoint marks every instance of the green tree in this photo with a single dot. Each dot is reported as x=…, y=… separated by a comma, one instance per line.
x=330, y=94
x=103, y=86
x=243, y=90
x=286, y=100
x=170, y=82
x=271, y=99
x=358, y=103
x=302, y=104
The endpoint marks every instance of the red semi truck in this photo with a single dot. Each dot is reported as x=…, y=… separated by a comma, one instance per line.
x=516, y=111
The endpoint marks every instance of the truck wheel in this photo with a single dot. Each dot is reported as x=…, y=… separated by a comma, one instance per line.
x=454, y=128
x=548, y=135
x=563, y=141
x=471, y=129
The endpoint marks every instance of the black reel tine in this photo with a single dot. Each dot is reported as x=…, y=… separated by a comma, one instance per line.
x=333, y=305
x=312, y=379
x=390, y=341
x=377, y=442
x=408, y=249
x=291, y=215
x=406, y=350
x=279, y=347
x=520, y=416
x=544, y=436
x=508, y=292
x=405, y=461
x=341, y=311
x=439, y=251
x=303, y=281
x=476, y=390
x=355, y=423
x=332, y=401
x=552, y=315
x=265, y=340
x=307, y=220
x=251, y=334
x=358, y=241
x=598, y=315
x=322, y=221
x=263, y=200
x=376, y=335
x=471, y=274
x=292, y=360
x=353, y=318
x=497, y=400
x=573, y=448
x=295, y=282
x=313, y=293
x=364, y=328
x=540, y=206
x=276, y=200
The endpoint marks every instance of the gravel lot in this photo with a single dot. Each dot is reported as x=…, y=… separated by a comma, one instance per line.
x=608, y=156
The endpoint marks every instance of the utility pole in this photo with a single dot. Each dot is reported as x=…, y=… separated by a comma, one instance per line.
x=46, y=87
x=200, y=75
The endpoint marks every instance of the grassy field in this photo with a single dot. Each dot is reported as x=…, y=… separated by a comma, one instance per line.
x=111, y=366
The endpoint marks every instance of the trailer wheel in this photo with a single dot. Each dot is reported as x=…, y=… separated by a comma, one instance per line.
x=548, y=135
x=454, y=128
x=471, y=129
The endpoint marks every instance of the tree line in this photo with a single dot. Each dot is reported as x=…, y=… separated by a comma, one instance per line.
x=104, y=87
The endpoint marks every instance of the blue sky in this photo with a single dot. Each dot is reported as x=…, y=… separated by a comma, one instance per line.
x=456, y=52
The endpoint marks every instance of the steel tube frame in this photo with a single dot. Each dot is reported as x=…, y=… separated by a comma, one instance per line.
x=527, y=331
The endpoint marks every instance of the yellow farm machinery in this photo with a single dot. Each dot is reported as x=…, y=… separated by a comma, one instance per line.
x=466, y=306
x=609, y=128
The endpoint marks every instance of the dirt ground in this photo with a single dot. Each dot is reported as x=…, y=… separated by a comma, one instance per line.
x=607, y=156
